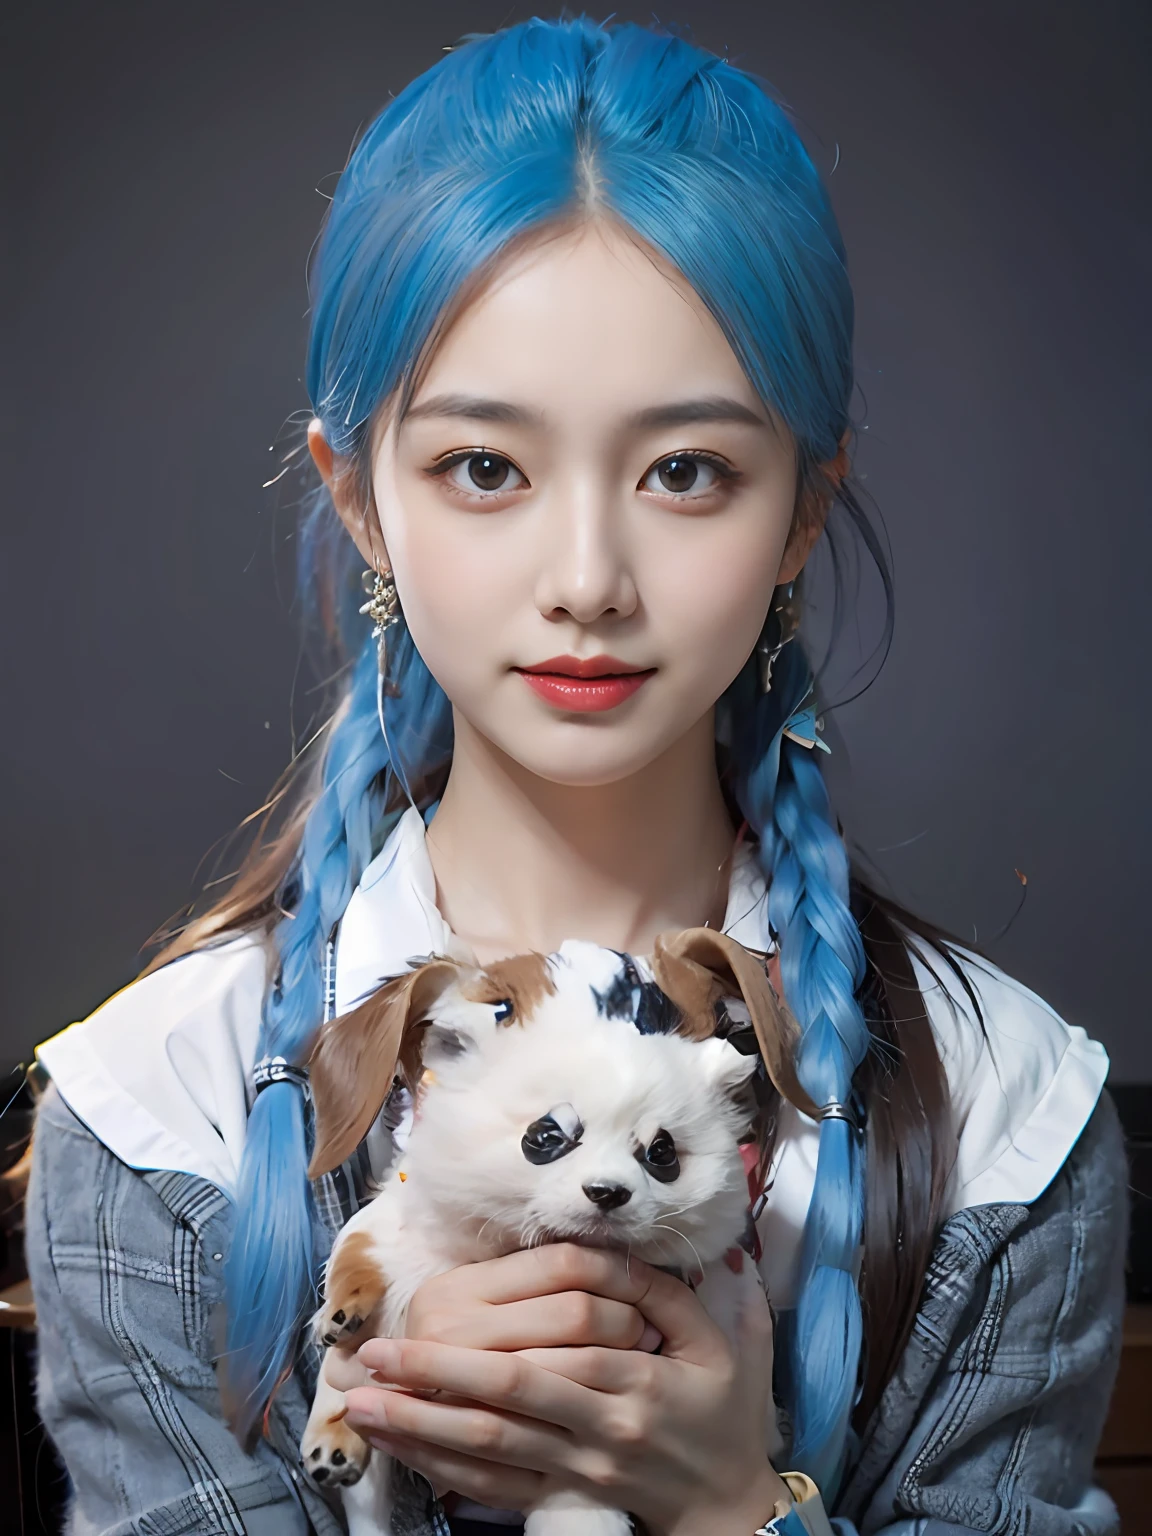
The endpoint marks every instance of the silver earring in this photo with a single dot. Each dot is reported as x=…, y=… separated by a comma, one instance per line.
x=382, y=607
x=786, y=610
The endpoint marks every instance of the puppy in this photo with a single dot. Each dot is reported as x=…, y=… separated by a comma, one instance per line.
x=582, y=1096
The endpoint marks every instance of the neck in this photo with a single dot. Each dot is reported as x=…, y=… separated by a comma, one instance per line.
x=524, y=863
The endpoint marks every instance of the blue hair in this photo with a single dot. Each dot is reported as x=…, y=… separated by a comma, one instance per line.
x=508, y=134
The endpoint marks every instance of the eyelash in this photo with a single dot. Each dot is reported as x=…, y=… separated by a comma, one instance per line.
x=725, y=472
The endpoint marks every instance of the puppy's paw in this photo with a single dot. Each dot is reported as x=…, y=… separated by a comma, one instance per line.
x=354, y=1286
x=335, y=1325
x=334, y=1456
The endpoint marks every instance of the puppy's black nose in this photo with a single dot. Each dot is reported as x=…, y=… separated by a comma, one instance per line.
x=607, y=1197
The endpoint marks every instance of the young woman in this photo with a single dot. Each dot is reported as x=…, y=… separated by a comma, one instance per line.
x=580, y=366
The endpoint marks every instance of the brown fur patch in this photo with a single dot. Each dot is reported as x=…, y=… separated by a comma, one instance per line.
x=691, y=986
x=354, y=1282
x=522, y=980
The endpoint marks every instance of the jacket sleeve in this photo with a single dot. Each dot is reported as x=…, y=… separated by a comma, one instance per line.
x=126, y=1272
x=992, y=1420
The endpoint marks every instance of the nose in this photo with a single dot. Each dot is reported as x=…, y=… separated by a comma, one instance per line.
x=586, y=574
x=608, y=1197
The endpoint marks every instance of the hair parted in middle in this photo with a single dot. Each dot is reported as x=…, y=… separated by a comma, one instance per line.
x=508, y=138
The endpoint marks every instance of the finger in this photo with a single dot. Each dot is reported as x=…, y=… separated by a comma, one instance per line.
x=505, y=1381
x=689, y=1333
x=554, y=1267
x=601, y=1370
x=480, y=1432
x=343, y=1370
x=489, y=1483
x=554, y=1318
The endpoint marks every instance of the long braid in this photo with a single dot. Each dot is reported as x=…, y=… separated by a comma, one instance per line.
x=781, y=790
x=270, y=1268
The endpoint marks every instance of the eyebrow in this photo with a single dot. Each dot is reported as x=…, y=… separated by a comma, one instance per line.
x=677, y=413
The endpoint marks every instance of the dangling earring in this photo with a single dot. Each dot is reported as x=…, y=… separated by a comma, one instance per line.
x=786, y=610
x=382, y=607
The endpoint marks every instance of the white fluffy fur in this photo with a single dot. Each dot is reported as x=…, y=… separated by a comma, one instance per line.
x=469, y=1192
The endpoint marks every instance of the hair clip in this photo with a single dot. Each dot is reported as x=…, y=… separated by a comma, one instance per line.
x=803, y=727
x=274, y=1069
x=834, y=1110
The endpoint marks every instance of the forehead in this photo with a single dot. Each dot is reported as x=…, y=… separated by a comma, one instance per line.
x=584, y=325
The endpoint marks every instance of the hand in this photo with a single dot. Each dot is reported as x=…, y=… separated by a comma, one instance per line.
x=546, y=1386
x=555, y=1295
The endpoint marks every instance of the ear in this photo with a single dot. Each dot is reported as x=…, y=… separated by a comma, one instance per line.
x=353, y=1063
x=700, y=965
x=353, y=504
x=812, y=508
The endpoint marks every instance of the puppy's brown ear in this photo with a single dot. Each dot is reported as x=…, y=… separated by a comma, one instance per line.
x=353, y=1063
x=699, y=965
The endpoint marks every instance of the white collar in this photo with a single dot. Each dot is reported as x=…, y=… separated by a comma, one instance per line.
x=161, y=1072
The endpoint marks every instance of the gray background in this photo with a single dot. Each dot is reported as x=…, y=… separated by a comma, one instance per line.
x=992, y=187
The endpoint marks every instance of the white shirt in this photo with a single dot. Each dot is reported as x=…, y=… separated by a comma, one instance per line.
x=161, y=1072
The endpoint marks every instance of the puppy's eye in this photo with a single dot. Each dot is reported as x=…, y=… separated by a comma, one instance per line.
x=659, y=1158
x=545, y=1140
x=503, y=1011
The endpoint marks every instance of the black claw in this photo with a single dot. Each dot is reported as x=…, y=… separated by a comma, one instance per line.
x=329, y=1338
x=338, y=1458
x=353, y=1325
x=338, y=1317
x=315, y=1456
x=320, y=1475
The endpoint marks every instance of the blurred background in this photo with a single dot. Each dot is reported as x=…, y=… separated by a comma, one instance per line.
x=989, y=163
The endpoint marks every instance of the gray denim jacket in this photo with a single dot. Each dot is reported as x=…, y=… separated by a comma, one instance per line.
x=990, y=1423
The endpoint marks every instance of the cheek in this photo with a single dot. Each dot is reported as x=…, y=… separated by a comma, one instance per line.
x=455, y=585
x=708, y=598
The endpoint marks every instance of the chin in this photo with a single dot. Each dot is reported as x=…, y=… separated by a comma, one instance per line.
x=580, y=756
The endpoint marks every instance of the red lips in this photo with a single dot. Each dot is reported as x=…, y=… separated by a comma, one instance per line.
x=597, y=683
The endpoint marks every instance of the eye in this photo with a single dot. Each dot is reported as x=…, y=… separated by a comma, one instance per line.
x=503, y=1010
x=659, y=1158
x=547, y=1139
x=687, y=475
x=479, y=473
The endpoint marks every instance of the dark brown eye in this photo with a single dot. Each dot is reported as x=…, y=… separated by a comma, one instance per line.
x=488, y=471
x=659, y=1158
x=688, y=477
x=678, y=474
